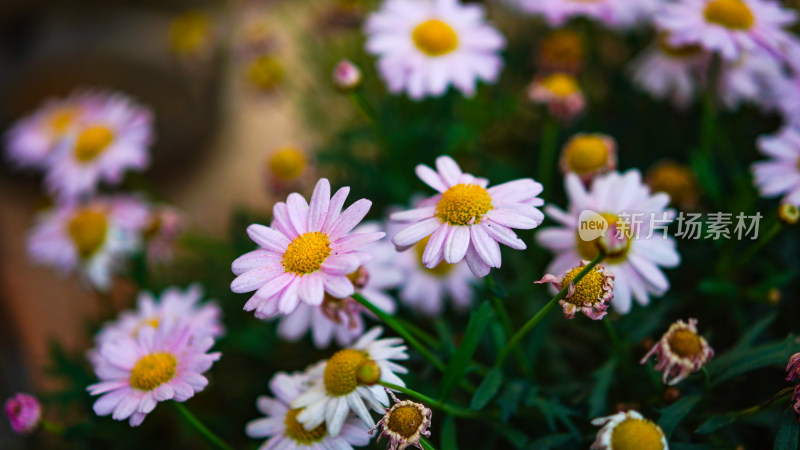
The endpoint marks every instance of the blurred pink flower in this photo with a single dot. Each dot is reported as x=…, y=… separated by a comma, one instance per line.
x=779, y=175
x=616, y=14
x=680, y=351
x=24, y=413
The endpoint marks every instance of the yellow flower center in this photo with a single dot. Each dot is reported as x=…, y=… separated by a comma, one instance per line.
x=588, y=290
x=789, y=214
x=342, y=370
x=266, y=72
x=306, y=253
x=637, y=434
x=297, y=432
x=60, y=120
x=681, y=51
x=561, y=48
x=590, y=249
x=287, y=163
x=435, y=38
x=733, y=14
x=463, y=204
x=685, y=343
x=442, y=270
x=405, y=420
x=676, y=180
x=586, y=153
x=153, y=370
x=561, y=84
x=88, y=228
x=189, y=32
x=92, y=141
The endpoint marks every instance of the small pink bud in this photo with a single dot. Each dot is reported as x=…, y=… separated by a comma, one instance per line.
x=346, y=76
x=24, y=412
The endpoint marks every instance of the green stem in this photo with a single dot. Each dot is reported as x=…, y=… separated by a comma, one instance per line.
x=419, y=332
x=612, y=334
x=428, y=401
x=547, y=152
x=426, y=445
x=505, y=322
x=708, y=132
x=200, y=427
x=533, y=321
x=363, y=105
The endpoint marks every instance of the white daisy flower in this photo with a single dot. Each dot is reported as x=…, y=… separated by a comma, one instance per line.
x=615, y=14
x=349, y=381
x=780, y=175
x=423, y=46
x=628, y=430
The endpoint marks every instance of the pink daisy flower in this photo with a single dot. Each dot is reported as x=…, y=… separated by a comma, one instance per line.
x=729, y=27
x=467, y=220
x=780, y=175
x=679, y=352
x=637, y=257
x=617, y=14
x=159, y=365
x=307, y=251
x=111, y=137
x=92, y=238
x=749, y=79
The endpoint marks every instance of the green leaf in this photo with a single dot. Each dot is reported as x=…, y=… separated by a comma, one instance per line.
x=603, y=378
x=788, y=431
x=672, y=416
x=487, y=389
x=776, y=353
x=553, y=440
x=517, y=438
x=448, y=441
x=510, y=397
x=714, y=423
x=460, y=362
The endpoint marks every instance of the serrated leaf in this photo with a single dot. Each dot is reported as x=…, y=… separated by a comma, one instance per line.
x=553, y=440
x=449, y=435
x=487, y=389
x=553, y=410
x=672, y=415
x=510, y=397
x=603, y=378
x=460, y=362
x=788, y=431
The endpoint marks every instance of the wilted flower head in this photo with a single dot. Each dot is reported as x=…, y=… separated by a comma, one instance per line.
x=346, y=76
x=24, y=413
x=628, y=431
x=677, y=180
x=560, y=92
x=561, y=51
x=680, y=351
x=404, y=424
x=587, y=155
x=591, y=296
x=792, y=374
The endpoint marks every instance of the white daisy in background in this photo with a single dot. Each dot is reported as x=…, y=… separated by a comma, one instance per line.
x=628, y=430
x=616, y=14
x=780, y=175
x=307, y=251
x=423, y=46
x=348, y=381
x=671, y=72
x=111, y=137
x=747, y=79
x=467, y=220
x=636, y=265
x=729, y=27
x=284, y=432
x=341, y=318
x=161, y=364
x=172, y=306
x=93, y=238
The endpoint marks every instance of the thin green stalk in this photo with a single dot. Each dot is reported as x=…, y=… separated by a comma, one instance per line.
x=200, y=427
x=709, y=119
x=505, y=321
x=426, y=445
x=363, y=106
x=547, y=152
x=612, y=334
x=428, y=401
x=419, y=332
x=533, y=321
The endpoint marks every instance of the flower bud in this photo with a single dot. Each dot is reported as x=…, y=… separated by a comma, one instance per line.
x=24, y=412
x=346, y=76
x=788, y=214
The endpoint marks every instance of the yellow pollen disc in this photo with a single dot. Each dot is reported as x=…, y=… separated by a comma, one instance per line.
x=287, y=163
x=152, y=371
x=441, y=270
x=733, y=14
x=685, y=343
x=586, y=153
x=306, y=253
x=340, y=371
x=464, y=204
x=589, y=249
x=298, y=433
x=92, y=141
x=675, y=179
x=588, y=290
x=637, y=434
x=88, y=228
x=189, y=32
x=266, y=72
x=60, y=120
x=561, y=84
x=561, y=48
x=682, y=51
x=435, y=38
x=405, y=420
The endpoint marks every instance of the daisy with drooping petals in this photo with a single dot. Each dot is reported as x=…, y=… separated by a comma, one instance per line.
x=92, y=238
x=729, y=27
x=349, y=381
x=591, y=296
x=560, y=92
x=616, y=14
x=173, y=305
x=467, y=220
x=307, y=251
x=792, y=374
x=588, y=155
x=780, y=175
x=341, y=318
x=112, y=136
x=628, y=431
x=423, y=46
x=404, y=424
x=161, y=364
x=283, y=431
x=617, y=199
x=680, y=351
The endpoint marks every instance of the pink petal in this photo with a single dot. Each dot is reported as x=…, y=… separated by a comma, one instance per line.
x=511, y=220
x=337, y=202
x=254, y=279
x=448, y=170
x=268, y=238
x=415, y=233
x=356, y=241
x=349, y=219
x=430, y=177
x=503, y=235
x=434, y=250
x=281, y=221
x=289, y=300
x=338, y=286
x=255, y=260
x=487, y=248
x=275, y=286
x=310, y=289
x=298, y=212
x=341, y=264
x=519, y=191
x=320, y=202
x=478, y=267
x=455, y=247
x=413, y=215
